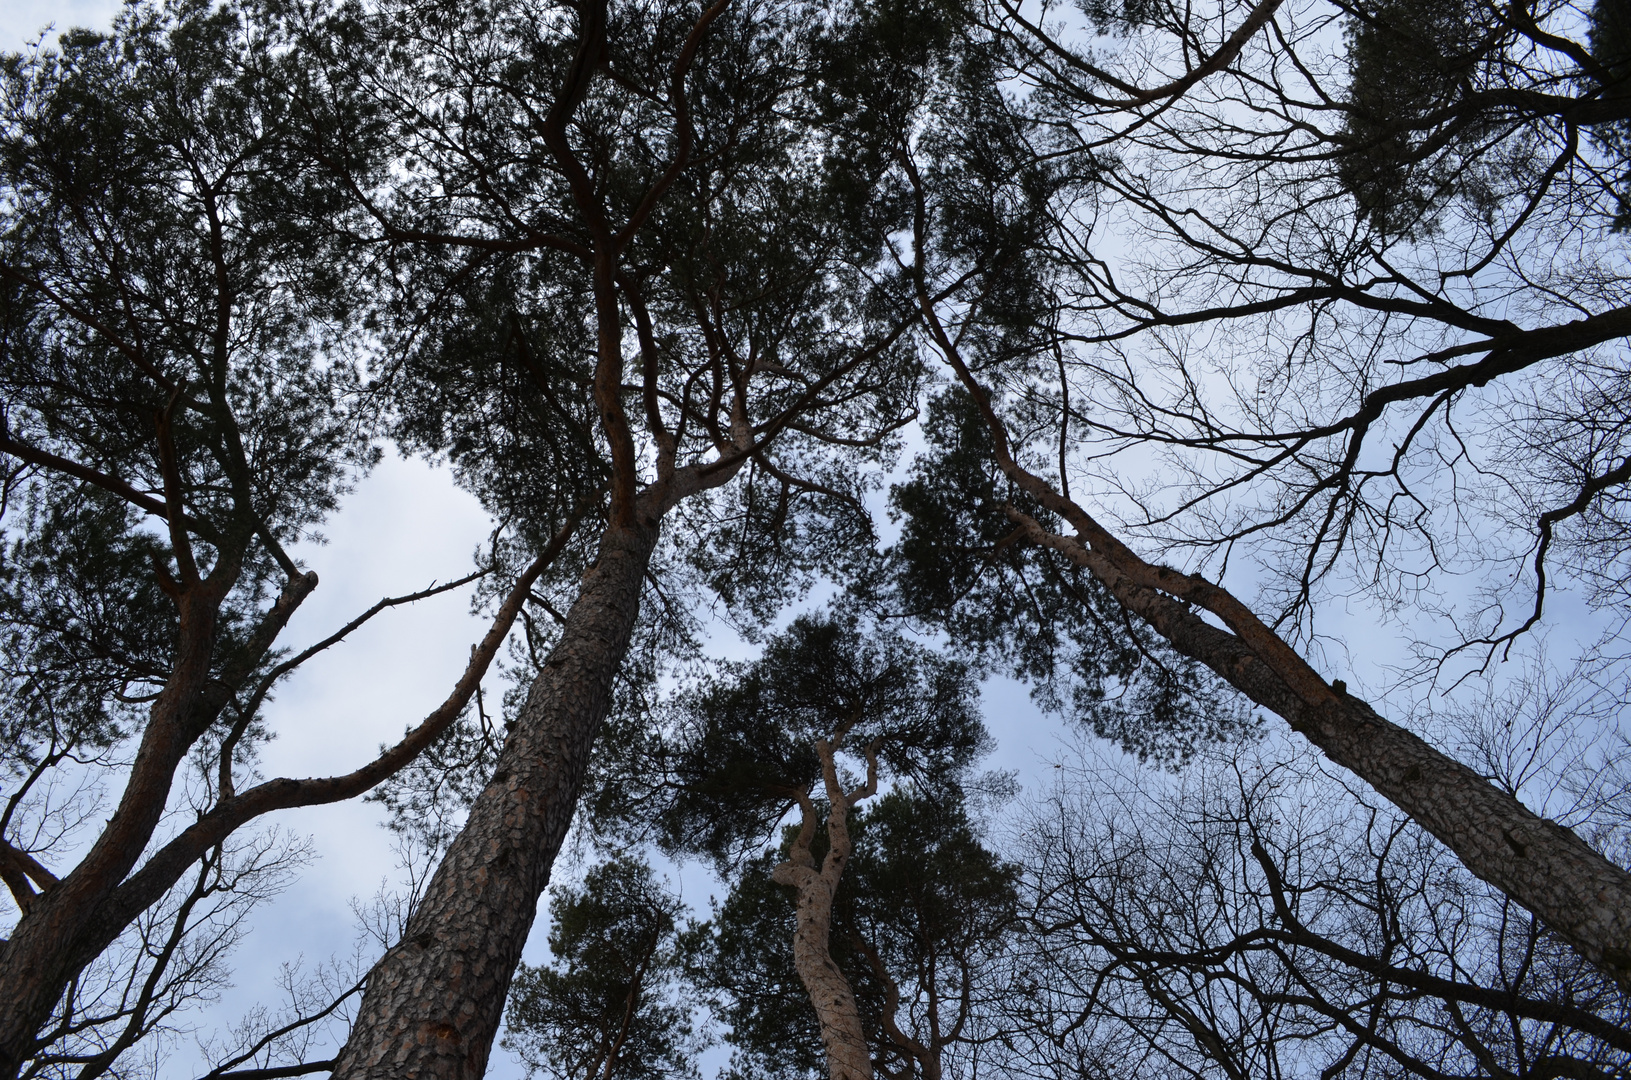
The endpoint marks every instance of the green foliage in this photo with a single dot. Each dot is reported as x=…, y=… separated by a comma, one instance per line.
x=1111, y=17
x=932, y=912
x=1609, y=34
x=179, y=380
x=922, y=896
x=741, y=751
x=751, y=262
x=497, y=385
x=930, y=898
x=87, y=633
x=162, y=250
x=877, y=62
x=1407, y=60
x=607, y=1008
x=1415, y=138
x=958, y=565
x=1442, y=109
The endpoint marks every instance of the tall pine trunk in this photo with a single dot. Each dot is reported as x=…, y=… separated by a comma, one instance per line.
x=1574, y=889
x=434, y=1001
x=842, y=1037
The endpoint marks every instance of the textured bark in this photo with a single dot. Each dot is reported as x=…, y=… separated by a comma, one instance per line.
x=1547, y=868
x=434, y=1001
x=842, y=1036
x=143, y=888
x=1569, y=885
x=75, y=920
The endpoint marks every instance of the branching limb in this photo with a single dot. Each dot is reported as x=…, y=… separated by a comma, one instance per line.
x=1136, y=95
x=17, y=869
x=180, y=543
x=926, y=1058
x=20, y=450
x=147, y=884
x=226, y=1068
x=1593, y=487
x=253, y=703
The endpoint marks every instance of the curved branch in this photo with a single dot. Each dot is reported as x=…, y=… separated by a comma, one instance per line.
x=143, y=887
x=1136, y=95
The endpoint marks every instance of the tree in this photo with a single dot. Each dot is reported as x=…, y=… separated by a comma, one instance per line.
x=566, y=173
x=180, y=407
x=1261, y=917
x=933, y=913
x=760, y=739
x=920, y=926
x=745, y=967
x=610, y=1011
x=1437, y=364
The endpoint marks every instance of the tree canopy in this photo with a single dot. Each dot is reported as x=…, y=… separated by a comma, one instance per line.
x=609, y=1010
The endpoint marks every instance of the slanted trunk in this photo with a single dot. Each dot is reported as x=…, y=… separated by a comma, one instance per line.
x=1576, y=891
x=47, y=947
x=434, y=1001
x=1573, y=888
x=848, y=1057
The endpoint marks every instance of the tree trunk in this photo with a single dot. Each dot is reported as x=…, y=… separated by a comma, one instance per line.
x=1580, y=895
x=848, y=1057
x=46, y=949
x=434, y=1001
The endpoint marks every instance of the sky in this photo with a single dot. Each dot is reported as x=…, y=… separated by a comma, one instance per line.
x=404, y=527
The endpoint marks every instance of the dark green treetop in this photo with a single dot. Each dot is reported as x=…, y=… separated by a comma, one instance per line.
x=170, y=303
x=1453, y=102
x=752, y=302
x=607, y=1008
x=921, y=918
x=184, y=322
x=742, y=747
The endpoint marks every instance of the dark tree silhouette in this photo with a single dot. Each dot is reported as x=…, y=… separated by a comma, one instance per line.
x=920, y=926
x=646, y=236
x=180, y=399
x=1257, y=919
x=607, y=1007
x=785, y=731
x=1363, y=308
